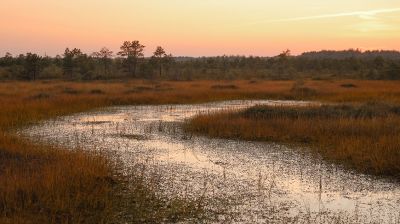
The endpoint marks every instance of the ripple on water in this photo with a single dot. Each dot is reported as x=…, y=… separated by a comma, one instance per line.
x=256, y=181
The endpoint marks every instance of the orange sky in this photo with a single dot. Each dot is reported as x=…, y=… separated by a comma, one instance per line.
x=199, y=27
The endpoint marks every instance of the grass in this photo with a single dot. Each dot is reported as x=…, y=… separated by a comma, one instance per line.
x=363, y=136
x=41, y=184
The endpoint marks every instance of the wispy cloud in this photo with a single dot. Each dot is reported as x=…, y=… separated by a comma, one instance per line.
x=370, y=14
x=373, y=26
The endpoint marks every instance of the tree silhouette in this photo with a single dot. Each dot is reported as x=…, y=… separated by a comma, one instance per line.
x=351, y=63
x=158, y=56
x=393, y=71
x=104, y=55
x=69, y=59
x=32, y=65
x=133, y=51
x=7, y=60
x=285, y=54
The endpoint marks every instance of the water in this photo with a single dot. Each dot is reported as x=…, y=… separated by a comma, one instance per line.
x=249, y=181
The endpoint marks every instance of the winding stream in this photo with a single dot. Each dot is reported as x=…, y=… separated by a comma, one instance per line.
x=257, y=182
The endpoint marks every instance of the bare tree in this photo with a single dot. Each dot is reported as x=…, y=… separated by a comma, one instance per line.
x=133, y=51
x=104, y=55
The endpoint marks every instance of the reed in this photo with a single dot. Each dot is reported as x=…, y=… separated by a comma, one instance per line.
x=41, y=184
x=365, y=137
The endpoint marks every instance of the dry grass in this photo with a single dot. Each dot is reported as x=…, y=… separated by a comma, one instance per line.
x=365, y=137
x=43, y=185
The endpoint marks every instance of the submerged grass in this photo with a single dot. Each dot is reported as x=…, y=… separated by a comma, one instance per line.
x=41, y=184
x=365, y=137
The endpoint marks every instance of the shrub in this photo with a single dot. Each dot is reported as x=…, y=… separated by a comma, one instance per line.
x=50, y=72
x=224, y=87
x=5, y=74
x=348, y=85
x=300, y=90
x=97, y=91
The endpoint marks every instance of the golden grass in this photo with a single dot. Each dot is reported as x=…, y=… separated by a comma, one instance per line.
x=369, y=143
x=41, y=185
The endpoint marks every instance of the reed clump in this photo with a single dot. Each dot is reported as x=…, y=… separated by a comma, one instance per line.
x=46, y=184
x=363, y=136
x=41, y=184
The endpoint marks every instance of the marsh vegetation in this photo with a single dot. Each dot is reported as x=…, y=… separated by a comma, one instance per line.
x=52, y=183
x=364, y=136
x=224, y=180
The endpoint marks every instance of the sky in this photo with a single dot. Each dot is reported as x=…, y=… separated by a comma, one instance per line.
x=199, y=27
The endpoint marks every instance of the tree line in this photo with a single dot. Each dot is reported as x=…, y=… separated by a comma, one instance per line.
x=130, y=62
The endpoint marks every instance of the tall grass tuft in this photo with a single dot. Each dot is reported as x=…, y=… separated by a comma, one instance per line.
x=365, y=137
x=42, y=184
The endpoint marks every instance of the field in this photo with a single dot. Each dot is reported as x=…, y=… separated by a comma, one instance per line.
x=44, y=184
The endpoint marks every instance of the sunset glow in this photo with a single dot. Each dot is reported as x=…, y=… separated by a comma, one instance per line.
x=199, y=27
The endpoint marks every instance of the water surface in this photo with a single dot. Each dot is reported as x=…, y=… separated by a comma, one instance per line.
x=255, y=181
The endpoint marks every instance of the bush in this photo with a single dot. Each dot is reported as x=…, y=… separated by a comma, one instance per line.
x=366, y=110
x=18, y=72
x=97, y=91
x=299, y=89
x=51, y=71
x=224, y=87
x=348, y=85
x=5, y=74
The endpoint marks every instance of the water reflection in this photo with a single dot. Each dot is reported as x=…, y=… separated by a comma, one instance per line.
x=258, y=181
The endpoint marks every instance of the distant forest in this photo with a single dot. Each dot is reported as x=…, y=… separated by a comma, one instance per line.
x=130, y=62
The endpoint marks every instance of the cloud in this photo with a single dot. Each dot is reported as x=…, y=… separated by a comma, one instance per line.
x=373, y=26
x=367, y=15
